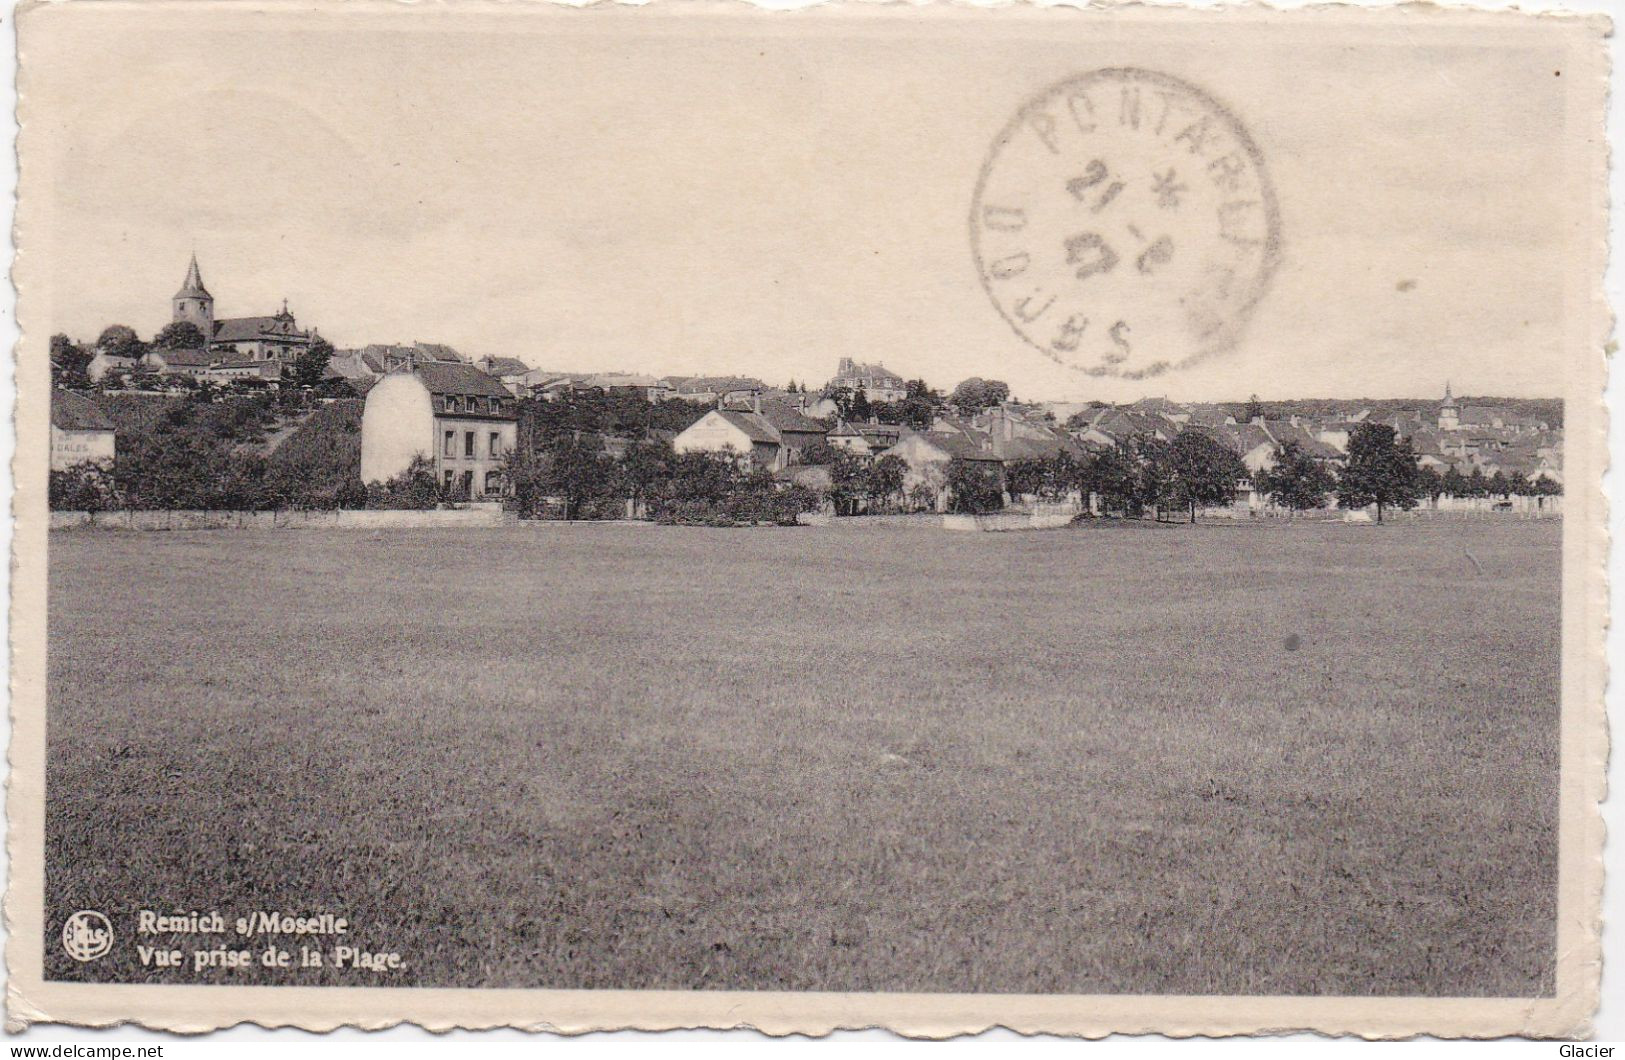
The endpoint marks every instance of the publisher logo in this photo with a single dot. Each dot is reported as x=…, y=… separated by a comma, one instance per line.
x=87, y=935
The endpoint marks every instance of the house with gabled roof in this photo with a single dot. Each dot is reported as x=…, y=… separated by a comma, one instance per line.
x=845, y=436
x=215, y=366
x=81, y=433
x=771, y=436
x=927, y=456
x=451, y=413
x=1161, y=406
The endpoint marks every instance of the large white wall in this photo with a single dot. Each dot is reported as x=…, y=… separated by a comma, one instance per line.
x=396, y=425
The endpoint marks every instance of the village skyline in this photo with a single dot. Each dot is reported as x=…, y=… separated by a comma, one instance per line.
x=555, y=235
x=1164, y=387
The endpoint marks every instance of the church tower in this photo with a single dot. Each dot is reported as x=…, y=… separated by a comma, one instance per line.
x=193, y=302
x=1449, y=413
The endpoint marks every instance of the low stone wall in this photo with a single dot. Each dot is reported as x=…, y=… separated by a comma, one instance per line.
x=348, y=519
x=999, y=522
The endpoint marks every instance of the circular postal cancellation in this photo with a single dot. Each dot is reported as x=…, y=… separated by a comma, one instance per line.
x=1124, y=223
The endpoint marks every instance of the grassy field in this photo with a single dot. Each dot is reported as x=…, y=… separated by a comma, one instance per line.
x=1285, y=759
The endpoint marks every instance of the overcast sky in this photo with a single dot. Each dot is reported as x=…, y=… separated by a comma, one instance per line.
x=764, y=194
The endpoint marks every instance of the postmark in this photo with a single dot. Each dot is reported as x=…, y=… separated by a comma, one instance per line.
x=1124, y=223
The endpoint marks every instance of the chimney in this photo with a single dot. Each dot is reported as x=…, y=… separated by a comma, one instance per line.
x=756, y=402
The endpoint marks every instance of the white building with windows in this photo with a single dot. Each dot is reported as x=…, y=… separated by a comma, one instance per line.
x=457, y=416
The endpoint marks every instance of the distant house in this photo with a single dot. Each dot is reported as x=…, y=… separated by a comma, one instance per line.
x=1161, y=406
x=746, y=435
x=452, y=413
x=390, y=356
x=646, y=387
x=355, y=367
x=510, y=371
x=875, y=381
x=771, y=437
x=1115, y=426
x=80, y=432
x=927, y=455
x=104, y=362
x=194, y=363
x=1209, y=416
x=1283, y=432
x=845, y=436
x=213, y=365
x=880, y=435
x=717, y=388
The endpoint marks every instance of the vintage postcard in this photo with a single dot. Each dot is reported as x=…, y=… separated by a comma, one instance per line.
x=918, y=516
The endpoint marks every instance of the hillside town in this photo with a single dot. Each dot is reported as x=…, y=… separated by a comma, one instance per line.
x=421, y=423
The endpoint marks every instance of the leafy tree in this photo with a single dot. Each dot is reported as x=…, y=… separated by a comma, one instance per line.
x=1154, y=485
x=976, y=394
x=1298, y=482
x=1204, y=473
x=311, y=365
x=843, y=398
x=885, y=480
x=1025, y=476
x=642, y=470
x=1113, y=476
x=415, y=488
x=1454, y=482
x=118, y=340
x=576, y=473
x=86, y=487
x=704, y=476
x=1431, y=483
x=860, y=410
x=974, y=487
x=820, y=453
x=1254, y=410
x=919, y=405
x=1381, y=470
x=68, y=363
x=179, y=335
x=849, y=481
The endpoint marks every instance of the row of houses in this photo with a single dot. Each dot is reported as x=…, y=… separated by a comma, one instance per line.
x=774, y=434
x=363, y=366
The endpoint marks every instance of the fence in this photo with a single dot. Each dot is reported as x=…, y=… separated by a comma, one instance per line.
x=347, y=519
x=1445, y=507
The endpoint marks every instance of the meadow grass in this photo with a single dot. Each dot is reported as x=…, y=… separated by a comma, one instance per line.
x=1284, y=759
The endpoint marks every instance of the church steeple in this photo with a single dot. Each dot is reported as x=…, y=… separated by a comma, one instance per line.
x=193, y=287
x=194, y=303
x=1449, y=414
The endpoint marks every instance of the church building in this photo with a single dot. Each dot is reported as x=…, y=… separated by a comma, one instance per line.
x=272, y=338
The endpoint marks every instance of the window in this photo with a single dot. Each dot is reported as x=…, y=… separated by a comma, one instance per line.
x=451, y=404
x=468, y=482
x=468, y=445
x=448, y=479
x=451, y=447
x=496, y=444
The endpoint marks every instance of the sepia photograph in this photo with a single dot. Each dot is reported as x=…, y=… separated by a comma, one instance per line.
x=923, y=517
